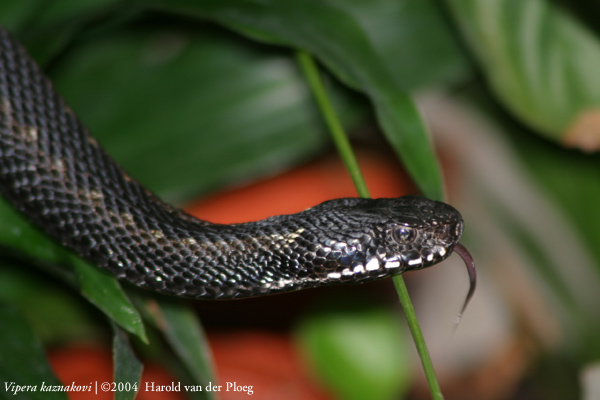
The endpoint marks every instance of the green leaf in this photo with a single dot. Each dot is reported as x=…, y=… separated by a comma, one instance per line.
x=22, y=359
x=338, y=40
x=183, y=332
x=98, y=287
x=187, y=110
x=46, y=27
x=56, y=314
x=16, y=14
x=406, y=132
x=358, y=354
x=104, y=292
x=19, y=234
x=541, y=63
x=128, y=369
x=412, y=39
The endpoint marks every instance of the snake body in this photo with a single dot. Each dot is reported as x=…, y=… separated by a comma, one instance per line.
x=58, y=176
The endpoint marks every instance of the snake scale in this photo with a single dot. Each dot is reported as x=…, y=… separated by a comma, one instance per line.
x=58, y=176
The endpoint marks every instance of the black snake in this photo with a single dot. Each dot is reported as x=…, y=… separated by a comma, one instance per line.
x=60, y=178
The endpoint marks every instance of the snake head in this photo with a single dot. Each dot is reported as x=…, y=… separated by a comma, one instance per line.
x=419, y=232
x=384, y=237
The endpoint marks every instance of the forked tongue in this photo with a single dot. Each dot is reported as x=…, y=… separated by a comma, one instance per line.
x=470, y=264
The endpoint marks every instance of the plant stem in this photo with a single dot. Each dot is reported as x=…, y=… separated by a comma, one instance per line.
x=342, y=143
x=417, y=334
x=333, y=123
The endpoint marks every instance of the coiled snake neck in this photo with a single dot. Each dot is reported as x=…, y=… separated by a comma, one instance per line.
x=60, y=178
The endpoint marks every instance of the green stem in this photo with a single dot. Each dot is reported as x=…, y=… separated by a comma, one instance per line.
x=342, y=143
x=417, y=334
x=333, y=123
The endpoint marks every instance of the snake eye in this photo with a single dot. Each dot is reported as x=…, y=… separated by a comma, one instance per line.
x=404, y=234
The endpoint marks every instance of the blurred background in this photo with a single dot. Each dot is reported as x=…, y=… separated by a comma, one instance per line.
x=204, y=103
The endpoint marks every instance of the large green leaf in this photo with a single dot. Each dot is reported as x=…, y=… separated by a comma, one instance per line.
x=185, y=110
x=412, y=39
x=46, y=27
x=541, y=63
x=14, y=15
x=54, y=313
x=20, y=235
x=338, y=40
